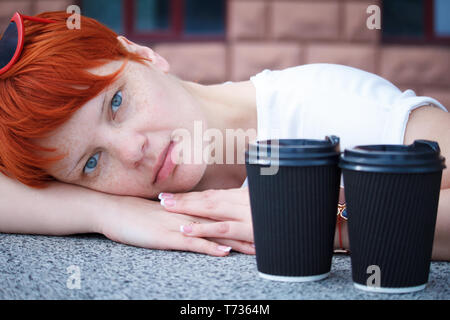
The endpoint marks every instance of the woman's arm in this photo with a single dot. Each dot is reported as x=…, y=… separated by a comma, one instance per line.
x=60, y=209
x=441, y=243
x=64, y=209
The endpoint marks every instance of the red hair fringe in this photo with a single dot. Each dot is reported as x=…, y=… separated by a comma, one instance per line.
x=47, y=85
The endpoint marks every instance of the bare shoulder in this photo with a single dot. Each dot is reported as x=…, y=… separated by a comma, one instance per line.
x=431, y=123
x=427, y=122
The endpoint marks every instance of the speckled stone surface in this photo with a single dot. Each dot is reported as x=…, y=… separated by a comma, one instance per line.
x=36, y=267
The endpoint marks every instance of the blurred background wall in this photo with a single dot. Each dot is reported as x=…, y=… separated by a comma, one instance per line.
x=212, y=41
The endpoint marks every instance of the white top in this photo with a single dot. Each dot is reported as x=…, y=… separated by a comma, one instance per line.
x=316, y=100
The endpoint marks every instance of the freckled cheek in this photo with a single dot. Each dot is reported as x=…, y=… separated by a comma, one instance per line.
x=125, y=183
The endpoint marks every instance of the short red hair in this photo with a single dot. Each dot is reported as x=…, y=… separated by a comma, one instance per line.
x=47, y=85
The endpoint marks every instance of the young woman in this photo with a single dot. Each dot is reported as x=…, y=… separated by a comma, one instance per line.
x=87, y=119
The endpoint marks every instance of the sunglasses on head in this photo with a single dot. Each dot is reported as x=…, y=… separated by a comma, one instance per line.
x=11, y=43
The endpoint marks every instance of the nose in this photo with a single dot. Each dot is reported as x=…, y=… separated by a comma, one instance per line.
x=129, y=148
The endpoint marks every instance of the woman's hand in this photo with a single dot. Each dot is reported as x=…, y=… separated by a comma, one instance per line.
x=144, y=223
x=229, y=207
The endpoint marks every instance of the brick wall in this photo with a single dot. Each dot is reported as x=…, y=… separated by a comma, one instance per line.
x=277, y=34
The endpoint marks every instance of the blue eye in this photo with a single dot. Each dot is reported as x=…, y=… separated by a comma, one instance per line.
x=116, y=101
x=91, y=164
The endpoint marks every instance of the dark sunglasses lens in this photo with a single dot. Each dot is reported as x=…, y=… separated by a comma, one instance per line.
x=8, y=44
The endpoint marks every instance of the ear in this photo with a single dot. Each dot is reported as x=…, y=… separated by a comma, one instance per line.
x=157, y=60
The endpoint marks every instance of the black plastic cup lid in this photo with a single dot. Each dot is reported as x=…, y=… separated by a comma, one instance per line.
x=294, y=152
x=420, y=156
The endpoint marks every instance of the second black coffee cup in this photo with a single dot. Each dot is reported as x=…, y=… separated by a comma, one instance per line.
x=392, y=195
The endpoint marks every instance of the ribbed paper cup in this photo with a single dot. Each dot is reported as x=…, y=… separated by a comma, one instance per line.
x=392, y=195
x=294, y=210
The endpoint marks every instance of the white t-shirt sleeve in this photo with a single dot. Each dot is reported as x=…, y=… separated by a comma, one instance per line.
x=316, y=100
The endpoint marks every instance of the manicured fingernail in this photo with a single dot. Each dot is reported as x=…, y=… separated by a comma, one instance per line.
x=167, y=202
x=186, y=229
x=224, y=248
x=163, y=195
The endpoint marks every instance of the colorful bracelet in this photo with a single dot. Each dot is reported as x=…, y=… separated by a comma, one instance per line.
x=342, y=211
x=341, y=217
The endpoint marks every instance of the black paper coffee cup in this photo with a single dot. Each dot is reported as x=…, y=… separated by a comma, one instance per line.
x=294, y=210
x=392, y=195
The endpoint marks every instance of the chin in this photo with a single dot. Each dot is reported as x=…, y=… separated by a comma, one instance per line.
x=184, y=178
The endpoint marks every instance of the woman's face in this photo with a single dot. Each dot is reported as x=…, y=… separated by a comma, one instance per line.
x=114, y=141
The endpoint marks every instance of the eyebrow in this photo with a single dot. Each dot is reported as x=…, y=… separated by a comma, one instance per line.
x=86, y=151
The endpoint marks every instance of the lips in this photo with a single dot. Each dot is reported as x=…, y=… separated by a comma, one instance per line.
x=164, y=165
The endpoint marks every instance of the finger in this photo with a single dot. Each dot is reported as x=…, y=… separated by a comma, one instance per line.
x=208, y=207
x=239, y=246
x=200, y=245
x=224, y=229
x=234, y=195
